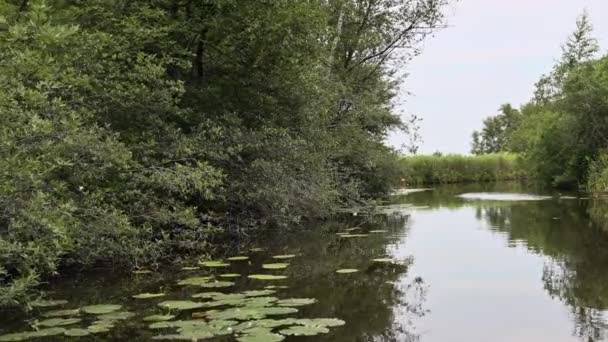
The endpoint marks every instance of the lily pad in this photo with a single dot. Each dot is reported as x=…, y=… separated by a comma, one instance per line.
x=260, y=335
x=217, y=284
x=230, y=275
x=326, y=322
x=267, y=277
x=258, y=293
x=180, y=305
x=100, y=309
x=158, y=318
x=247, y=313
x=305, y=330
x=45, y=303
x=116, y=316
x=296, y=301
x=378, y=231
x=142, y=272
x=256, y=249
x=190, y=268
x=271, y=287
x=77, y=332
x=62, y=313
x=207, y=295
x=58, y=322
x=148, y=295
x=284, y=256
x=214, y=264
x=275, y=266
x=22, y=336
x=194, y=281
x=238, y=258
x=353, y=235
x=347, y=270
x=384, y=260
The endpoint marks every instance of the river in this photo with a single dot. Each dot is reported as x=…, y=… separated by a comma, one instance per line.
x=429, y=266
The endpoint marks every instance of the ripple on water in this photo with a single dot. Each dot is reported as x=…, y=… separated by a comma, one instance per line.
x=501, y=196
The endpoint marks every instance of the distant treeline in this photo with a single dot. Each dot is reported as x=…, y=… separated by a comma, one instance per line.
x=445, y=169
x=135, y=131
x=561, y=134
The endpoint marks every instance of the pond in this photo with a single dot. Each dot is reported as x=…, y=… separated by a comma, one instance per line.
x=502, y=263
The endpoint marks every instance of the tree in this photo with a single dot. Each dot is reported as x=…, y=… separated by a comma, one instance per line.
x=496, y=133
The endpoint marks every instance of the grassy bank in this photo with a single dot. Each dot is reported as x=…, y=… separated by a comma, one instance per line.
x=444, y=169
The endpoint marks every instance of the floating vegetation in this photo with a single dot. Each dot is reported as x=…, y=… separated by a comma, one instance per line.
x=347, y=270
x=148, y=295
x=217, y=284
x=158, y=318
x=100, y=309
x=207, y=295
x=116, y=316
x=352, y=229
x=378, y=231
x=190, y=268
x=384, y=260
x=275, y=266
x=353, y=235
x=195, y=329
x=58, y=322
x=296, y=301
x=76, y=332
x=256, y=249
x=22, y=336
x=271, y=287
x=194, y=281
x=62, y=313
x=260, y=335
x=42, y=303
x=238, y=258
x=249, y=313
x=100, y=327
x=180, y=305
x=230, y=275
x=305, y=330
x=258, y=293
x=214, y=263
x=284, y=256
x=267, y=277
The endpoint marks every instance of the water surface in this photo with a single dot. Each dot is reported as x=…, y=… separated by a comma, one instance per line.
x=461, y=270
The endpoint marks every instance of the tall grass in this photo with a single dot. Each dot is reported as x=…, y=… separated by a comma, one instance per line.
x=443, y=169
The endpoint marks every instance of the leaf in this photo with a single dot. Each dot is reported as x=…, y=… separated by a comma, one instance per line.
x=77, y=332
x=256, y=249
x=190, y=268
x=260, y=336
x=296, y=301
x=284, y=256
x=180, y=305
x=158, y=318
x=148, y=295
x=116, y=316
x=60, y=313
x=266, y=277
x=194, y=281
x=257, y=293
x=246, y=313
x=238, y=258
x=213, y=264
x=384, y=260
x=378, y=231
x=276, y=266
x=48, y=303
x=142, y=272
x=230, y=275
x=57, y=322
x=353, y=235
x=305, y=330
x=22, y=336
x=100, y=309
x=347, y=270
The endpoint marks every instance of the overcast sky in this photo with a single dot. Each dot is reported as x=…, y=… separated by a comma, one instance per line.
x=492, y=52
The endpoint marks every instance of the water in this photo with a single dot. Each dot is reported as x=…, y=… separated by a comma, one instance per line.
x=464, y=270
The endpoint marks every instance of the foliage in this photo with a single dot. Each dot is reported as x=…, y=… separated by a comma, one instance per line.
x=496, y=133
x=431, y=169
x=132, y=130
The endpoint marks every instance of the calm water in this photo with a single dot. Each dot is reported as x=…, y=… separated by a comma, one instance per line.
x=495, y=267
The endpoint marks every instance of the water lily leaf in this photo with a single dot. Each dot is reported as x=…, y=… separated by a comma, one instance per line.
x=217, y=284
x=214, y=264
x=276, y=266
x=352, y=229
x=347, y=270
x=148, y=295
x=260, y=335
x=100, y=309
x=247, y=313
x=354, y=235
x=267, y=277
x=62, y=313
x=325, y=322
x=259, y=301
x=207, y=295
x=99, y=327
x=258, y=293
x=230, y=275
x=22, y=336
x=305, y=330
x=385, y=260
x=284, y=256
x=194, y=281
x=45, y=303
x=176, y=324
x=58, y=322
x=116, y=316
x=190, y=268
x=180, y=305
x=270, y=287
x=77, y=332
x=296, y=301
x=378, y=231
x=256, y=249
x=264, y=323
x=238, y=258
x=158, y=318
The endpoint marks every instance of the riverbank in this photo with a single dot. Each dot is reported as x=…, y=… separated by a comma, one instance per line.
x=448, y=169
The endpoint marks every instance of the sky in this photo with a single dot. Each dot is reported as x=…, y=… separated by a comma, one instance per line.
x=492, y=52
